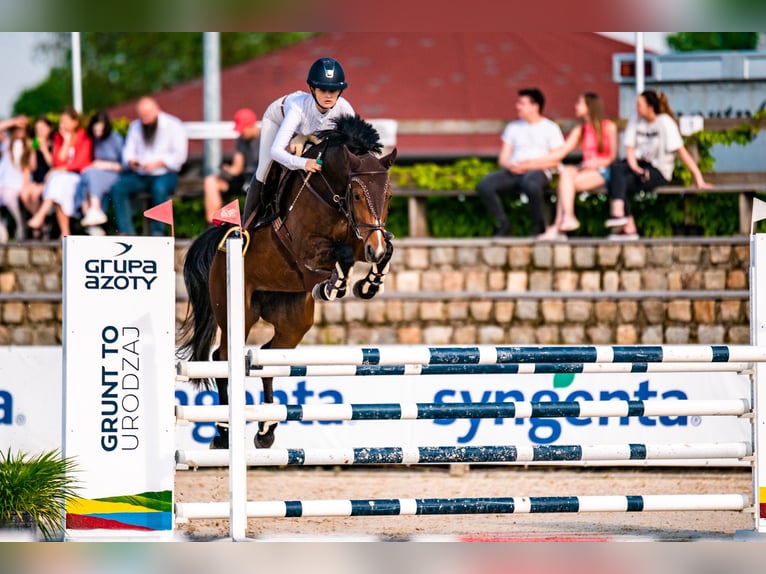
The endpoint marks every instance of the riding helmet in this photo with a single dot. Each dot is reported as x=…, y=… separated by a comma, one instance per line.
x=327, y=74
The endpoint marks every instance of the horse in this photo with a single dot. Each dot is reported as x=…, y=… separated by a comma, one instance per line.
x=326, y=221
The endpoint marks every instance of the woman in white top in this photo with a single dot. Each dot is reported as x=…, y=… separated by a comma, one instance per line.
x=651, y=143
x=15, y=156
x=300, y=114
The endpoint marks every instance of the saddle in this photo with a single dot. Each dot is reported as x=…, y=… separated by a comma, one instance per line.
x=268, y=207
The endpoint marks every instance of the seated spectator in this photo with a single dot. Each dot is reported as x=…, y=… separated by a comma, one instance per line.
x=222, y=187
x=72, y=152
x=156, y=147
x=531, y=137
x=98, y=178
x=14, y=171
x=651, y=143
x=596, y=136
x=40, y=162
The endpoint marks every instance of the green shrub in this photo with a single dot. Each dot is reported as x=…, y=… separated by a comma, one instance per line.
x=35, y=487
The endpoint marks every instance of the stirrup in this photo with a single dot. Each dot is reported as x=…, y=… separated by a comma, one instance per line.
x=245, y=234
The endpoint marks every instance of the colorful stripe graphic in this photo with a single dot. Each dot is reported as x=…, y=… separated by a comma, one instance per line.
x=145, y=511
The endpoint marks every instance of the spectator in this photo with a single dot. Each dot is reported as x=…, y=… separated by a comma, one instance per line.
x=597, y=138
x=41, y=162
x=72, y=152
x=233, y=177
x=14, y=170
x=302, y=114
x=651, y=142
x=156, y=147
x=97, y=179
x=531, y=137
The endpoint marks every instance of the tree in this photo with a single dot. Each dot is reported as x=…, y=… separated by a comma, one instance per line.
x=120, y=66
x=690, y=41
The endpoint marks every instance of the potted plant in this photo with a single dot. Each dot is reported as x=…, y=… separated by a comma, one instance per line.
x=34, y=490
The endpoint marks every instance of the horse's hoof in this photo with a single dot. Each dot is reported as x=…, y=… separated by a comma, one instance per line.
x=219, y=442
x=264, y=438
x=365, y=290
x=318, y=292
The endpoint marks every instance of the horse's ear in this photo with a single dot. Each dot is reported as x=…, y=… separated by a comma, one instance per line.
x=388, y=160
x=354, y=161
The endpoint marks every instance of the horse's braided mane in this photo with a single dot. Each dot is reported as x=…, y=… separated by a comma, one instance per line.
x=355, y=133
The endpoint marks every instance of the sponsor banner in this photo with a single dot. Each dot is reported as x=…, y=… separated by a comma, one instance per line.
x=489, y=388
x=31, y=423
x=30, y=399
x=118, y=367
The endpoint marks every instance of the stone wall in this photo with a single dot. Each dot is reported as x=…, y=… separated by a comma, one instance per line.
x=682, y=290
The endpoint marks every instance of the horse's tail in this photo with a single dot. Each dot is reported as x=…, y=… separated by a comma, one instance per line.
x=198, y=330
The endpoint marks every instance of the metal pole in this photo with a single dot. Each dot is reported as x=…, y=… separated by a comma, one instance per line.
x=211, y=44
x=639, y=63
x=76, y=73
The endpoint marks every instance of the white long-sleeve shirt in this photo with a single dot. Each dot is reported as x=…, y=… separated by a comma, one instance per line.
x=170, y=145
x=302, y=117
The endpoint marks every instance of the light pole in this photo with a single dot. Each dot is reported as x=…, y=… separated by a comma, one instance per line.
x=76, y=73
x=211, y=71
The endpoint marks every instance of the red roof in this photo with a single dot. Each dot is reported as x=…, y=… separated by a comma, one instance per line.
x=420, y=76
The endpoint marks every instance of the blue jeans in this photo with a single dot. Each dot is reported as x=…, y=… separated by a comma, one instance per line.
x=130, y=183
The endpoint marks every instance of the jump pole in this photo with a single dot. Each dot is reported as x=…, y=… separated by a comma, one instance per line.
x=758, y=338
x=235, y=309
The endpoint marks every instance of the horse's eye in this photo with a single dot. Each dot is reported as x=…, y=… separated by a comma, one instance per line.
x=357, y=197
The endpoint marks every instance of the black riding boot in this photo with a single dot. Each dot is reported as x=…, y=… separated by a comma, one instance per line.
x=252, y=201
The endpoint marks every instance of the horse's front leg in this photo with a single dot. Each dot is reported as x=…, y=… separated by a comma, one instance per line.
x=372, y=283
x=335, y=287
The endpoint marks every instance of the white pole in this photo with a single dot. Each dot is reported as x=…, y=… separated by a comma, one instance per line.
x=76, y=73
x=211, y=44
x=639, y=63
x=758, y=338
x=237, y=425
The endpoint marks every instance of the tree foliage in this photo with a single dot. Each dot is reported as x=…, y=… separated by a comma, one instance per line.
x=691, y=41
x=120, y=66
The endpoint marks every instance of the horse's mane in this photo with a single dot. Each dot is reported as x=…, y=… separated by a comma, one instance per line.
x=355, y=133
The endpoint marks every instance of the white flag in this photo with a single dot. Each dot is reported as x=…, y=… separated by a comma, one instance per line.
x=759, y=213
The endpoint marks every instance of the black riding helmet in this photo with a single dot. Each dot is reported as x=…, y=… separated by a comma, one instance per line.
x=327, y=74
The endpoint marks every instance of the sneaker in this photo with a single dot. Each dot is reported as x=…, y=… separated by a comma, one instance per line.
x=503, y=231
x=551, y=234
x=616, y=221
x=93, y=217
x=623, y=237
x=571, y=225
x=95, y=230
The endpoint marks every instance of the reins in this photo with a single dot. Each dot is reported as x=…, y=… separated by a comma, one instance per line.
x=342, y=202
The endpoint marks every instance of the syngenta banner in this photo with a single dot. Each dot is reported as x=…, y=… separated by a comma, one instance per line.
x=119, y=328
x=458, y=389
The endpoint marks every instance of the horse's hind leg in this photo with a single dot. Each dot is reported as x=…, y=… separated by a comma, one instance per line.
x=292, y=315
x=218, y=298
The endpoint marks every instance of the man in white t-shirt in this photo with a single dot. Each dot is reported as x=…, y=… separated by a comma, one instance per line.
x=525, y=142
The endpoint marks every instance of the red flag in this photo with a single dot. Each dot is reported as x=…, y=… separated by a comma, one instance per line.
x=162, y=212
x=229, y=213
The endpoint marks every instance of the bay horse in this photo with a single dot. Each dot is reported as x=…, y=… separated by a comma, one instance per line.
x=326, y=222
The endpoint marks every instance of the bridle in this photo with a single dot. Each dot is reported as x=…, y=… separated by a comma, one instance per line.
x=344, y=201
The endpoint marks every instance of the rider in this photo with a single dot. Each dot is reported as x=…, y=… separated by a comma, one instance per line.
x=298, y=114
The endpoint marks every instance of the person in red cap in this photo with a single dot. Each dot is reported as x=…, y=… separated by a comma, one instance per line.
x=230, y=181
